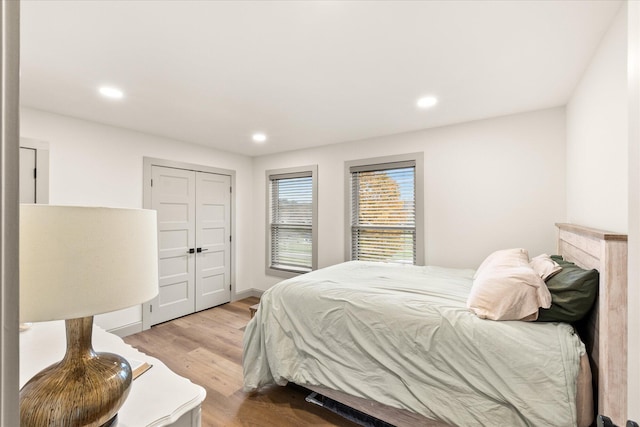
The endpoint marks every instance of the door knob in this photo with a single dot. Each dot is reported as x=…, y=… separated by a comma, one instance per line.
x=192, y=251
x=202, y=250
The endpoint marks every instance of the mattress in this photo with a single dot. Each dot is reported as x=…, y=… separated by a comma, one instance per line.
x=402, y=335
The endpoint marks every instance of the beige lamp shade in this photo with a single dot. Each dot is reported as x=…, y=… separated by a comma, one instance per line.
x=82, y=261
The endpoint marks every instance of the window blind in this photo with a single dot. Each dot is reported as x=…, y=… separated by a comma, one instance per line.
x=383, y=213
x=291, y=221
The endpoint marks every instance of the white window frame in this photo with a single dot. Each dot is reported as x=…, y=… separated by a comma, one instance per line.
x=283, y=173
x=382, y=163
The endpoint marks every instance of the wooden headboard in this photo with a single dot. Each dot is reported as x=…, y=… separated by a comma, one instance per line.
x=605, y=331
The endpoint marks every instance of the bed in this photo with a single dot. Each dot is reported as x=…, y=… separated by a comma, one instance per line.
x=436, y=363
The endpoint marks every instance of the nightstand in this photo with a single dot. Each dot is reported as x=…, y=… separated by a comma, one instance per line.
x=158, y=397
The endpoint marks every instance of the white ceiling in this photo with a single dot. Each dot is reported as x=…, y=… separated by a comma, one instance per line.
x=306, y=73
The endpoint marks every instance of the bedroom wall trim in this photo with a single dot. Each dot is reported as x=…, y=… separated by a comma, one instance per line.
x=9, y=210
x=418, y=158
x=253, y=292
x=126, y=330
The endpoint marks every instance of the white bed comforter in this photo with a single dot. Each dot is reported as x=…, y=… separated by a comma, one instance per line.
x=402, y=336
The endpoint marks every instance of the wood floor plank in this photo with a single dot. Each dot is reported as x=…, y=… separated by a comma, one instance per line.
x=225, y=374
x=206, y=347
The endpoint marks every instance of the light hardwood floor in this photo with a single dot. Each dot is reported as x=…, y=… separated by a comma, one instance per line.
x=206, y=347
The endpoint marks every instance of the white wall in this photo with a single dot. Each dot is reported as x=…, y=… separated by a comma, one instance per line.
x=489, y=185
x=597, y=141
x=99, y=165
x=603, y=182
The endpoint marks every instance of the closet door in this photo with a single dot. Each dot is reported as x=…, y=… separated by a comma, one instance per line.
x=27, y=175
x=213, y=231
x=173, y=197
x=194, y=229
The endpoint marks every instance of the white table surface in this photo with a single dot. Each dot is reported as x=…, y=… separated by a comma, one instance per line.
x=157, y=398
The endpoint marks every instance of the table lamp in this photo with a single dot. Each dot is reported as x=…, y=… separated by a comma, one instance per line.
x=76, y=262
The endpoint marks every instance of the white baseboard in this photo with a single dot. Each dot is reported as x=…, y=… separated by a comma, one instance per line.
x=126, y=330
x=253, y=292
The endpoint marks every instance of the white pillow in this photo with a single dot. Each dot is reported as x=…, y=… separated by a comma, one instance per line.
x=544, y=266
x=488, y=260
x=507, y=288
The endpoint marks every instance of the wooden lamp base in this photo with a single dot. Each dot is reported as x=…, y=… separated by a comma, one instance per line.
x=84, y=389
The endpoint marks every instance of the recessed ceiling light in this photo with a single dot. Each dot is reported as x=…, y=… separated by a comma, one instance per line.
x=259, y=137
x=111, y=92
x=427, y=102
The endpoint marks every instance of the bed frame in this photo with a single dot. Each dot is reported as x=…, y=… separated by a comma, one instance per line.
x=604, y=332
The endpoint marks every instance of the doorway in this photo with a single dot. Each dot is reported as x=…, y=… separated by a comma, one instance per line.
x=34, y=171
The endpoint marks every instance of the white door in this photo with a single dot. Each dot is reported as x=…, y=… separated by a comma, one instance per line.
x=173, y=197
x=27, y=175
x=194, y=228
x=213, y=231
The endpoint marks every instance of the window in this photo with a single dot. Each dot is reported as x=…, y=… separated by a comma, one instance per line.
x=292, y=212
x=385, y=210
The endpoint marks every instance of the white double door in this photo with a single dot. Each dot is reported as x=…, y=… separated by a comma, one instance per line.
x=194, y=229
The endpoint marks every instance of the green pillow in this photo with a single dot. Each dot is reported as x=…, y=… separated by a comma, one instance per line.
x=573, y=292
